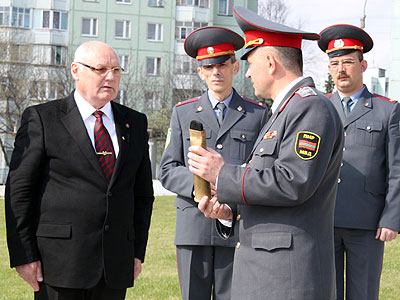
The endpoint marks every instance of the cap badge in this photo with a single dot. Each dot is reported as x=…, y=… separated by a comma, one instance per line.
x=338, y=43
x=210, y=50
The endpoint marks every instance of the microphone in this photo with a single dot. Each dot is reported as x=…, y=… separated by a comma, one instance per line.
x=198, y=138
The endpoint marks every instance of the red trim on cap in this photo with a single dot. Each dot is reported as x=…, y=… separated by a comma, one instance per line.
x=244, y=200
x=344, y=43
x=215, y=50
x=256, y=38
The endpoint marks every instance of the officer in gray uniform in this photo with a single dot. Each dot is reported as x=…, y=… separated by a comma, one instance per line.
x=367, y=209
x=205, y=259
x=286, y=192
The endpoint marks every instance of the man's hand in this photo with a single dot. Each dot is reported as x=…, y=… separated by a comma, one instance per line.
x=137, y=268
x=386, y=234
x=31, y=273
x=213, y=209
x=205, y=163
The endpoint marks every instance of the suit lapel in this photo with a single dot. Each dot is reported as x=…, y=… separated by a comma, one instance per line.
x=335, y=99
x=234, y=113
x=122, y=126
x=363, y=106
x=72, y=120
x=205, y=112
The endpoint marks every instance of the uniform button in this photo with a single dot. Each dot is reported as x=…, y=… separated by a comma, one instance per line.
x=243, y=136
x=368, y=128
x=261, y=150
x=341, y=164
x=344, y=148
x=106, y=228
x=238, y=218
x=345, y=134
x=339, y=180
x=219, y=146
x=109, y=194
x=238, y=245
x=250, y=161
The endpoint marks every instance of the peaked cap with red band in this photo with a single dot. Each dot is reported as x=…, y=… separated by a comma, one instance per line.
x=261, y=32
x=212, y=45
x=343, y=39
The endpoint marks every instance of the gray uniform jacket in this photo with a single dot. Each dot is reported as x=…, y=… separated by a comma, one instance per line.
x=287, y=194
x=243, y=121
x=369, y=184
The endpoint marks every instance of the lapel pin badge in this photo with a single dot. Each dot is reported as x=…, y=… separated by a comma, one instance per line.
x=240, y=108
x=200, y=108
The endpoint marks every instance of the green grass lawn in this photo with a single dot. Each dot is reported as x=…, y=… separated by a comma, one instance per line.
x=159, y=279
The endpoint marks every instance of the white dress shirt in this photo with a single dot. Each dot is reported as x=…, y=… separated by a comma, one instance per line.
x=86, y=111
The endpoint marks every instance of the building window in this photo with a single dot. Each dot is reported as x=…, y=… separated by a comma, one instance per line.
x=54, y=20
x=154, y=32
x=199, y=3
x=185, y=65
x=89, y=26
x=121, y=97
x=225, y=7
x=124, y=1
x=122, y=29
x=124, y=62
x=153, y=66
x=153, y=100
x=20, y=17
x=183, y=29
x=57, y=55
x=159, y=3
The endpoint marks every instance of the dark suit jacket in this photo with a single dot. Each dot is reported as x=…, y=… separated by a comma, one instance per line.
x=59, y=207
x=286, y=196
x=369, y=187
x=233, y=140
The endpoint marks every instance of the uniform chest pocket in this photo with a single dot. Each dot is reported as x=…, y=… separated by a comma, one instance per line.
x=264, y=154
x=369, y=133
x=242, y=142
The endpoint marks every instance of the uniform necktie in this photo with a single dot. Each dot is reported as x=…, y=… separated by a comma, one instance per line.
x=104, y=147
x=221, y=106
x=346, y=107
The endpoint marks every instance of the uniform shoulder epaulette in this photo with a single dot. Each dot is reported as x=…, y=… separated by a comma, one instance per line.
x=306, y=91
x=187, y=101
x=383, y=98
x=329, y=95
x=253, y=102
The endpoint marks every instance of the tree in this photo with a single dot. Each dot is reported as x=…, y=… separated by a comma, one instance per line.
x=329, y=84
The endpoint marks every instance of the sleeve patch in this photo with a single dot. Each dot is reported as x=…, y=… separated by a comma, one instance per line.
x=307, y=145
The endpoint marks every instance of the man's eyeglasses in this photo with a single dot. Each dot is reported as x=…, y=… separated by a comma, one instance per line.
x=104, y=71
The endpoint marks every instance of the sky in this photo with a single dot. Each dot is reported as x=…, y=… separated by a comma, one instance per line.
x=315, y=15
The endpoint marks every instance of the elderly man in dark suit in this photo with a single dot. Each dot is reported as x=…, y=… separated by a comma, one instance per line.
x=367, y=212
x=286, y=191
x=205, y=259
x=79, y=193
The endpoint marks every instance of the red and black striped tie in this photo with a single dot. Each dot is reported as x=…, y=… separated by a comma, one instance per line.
x=104, y=147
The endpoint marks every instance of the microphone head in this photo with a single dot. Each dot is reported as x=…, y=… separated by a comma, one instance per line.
x=196, y=125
